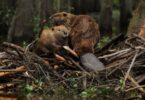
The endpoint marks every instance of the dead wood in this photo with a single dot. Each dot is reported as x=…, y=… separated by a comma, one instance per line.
x=123, y=58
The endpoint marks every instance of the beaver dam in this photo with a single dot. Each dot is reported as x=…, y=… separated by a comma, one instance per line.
x=123, y=76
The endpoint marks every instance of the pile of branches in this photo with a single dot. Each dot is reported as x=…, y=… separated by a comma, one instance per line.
x=124, y=61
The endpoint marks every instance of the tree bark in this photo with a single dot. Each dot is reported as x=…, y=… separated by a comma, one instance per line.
x=23, y=23
x=21, y=26
x=137, y=19
x=106, y=17
x=125, y=14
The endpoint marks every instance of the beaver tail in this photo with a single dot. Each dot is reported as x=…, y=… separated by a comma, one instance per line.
x=91, y=62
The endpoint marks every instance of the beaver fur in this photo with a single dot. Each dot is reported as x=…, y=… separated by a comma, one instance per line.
x=142, y=29
x=84, y=31
x=84, y=35
x=52, y=39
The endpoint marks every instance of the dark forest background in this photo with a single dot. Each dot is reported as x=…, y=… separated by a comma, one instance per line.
x=21, y=20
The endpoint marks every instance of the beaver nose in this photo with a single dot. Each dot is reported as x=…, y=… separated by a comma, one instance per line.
x=65, y=34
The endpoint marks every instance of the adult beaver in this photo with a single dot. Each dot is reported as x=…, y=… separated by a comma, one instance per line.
x=84, y=35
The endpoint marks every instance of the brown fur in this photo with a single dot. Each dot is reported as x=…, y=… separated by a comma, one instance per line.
x=52, y=39
x=142, y=30
x=62, y=18
x=84, y=34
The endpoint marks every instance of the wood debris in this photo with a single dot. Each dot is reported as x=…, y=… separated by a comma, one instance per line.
x=124, y=60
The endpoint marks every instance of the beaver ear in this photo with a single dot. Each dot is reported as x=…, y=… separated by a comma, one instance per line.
x=64, y=14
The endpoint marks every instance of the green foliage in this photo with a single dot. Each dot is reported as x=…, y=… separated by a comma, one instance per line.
x=27, y=88
x=35, y=86
x=24, y=44
x=93, y=91
x=89, y=92
x=62, y=5
x=73, y=82
x=115, y=20
x=133, y=94
x=67, y=7
x=56, y=5
x=36, y=24
x=6, y=16
x=116, y=3
x=36, y=27
x=104, y=40
x=122, y=84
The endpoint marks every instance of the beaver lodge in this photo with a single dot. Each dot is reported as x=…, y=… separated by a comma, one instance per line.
x=124, y=69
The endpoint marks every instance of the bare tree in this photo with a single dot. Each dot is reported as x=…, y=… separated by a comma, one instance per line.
x=125, y=14
x=106, y=17
x=23, y=23
x=137, y=19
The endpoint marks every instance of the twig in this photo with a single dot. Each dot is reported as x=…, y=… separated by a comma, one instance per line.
x=116, y=53
x=13, y=46
x=19, y=69
x=28, y=46
x=6, y=85
x=80, y=67
x=135, y=83
x=113, y=41
x=131, y=65
x=140, y=86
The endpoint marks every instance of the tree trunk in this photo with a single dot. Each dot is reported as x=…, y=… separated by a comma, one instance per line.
x=106, y=17
x=138, y=18
x=77, y=6
x=28, y=14
x=125, y=14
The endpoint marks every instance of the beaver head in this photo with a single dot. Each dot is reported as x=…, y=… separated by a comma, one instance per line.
x=62, y=18
x=52, y=39
x=60, y=31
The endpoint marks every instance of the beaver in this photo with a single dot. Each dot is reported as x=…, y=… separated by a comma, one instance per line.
x=51, y=39
x=142, y=29
x=84, y=35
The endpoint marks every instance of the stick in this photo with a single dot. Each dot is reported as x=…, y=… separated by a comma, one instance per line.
x=140, y=86
x=19, y=69
x=70, y=51
x=6, y=85
x=135, y=83
x=13, y=46
x=131, y=65
x=113, y=54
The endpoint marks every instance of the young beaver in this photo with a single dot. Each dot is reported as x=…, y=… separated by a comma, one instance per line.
x=84, y=35
x=52, y=39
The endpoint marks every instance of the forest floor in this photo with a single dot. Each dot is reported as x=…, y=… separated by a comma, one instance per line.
x=124, y=75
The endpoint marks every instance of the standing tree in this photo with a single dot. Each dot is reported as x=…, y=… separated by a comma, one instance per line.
x=125, y=14
x=138, y=17
x=106, y=17
x=28, y=12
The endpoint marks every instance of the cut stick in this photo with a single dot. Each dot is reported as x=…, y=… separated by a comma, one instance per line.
x=59, y=57
x=6, y=85
x=12, y=71
x=70, y=51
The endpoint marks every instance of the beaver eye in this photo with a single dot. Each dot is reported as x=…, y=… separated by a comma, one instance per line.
x=64, y=14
